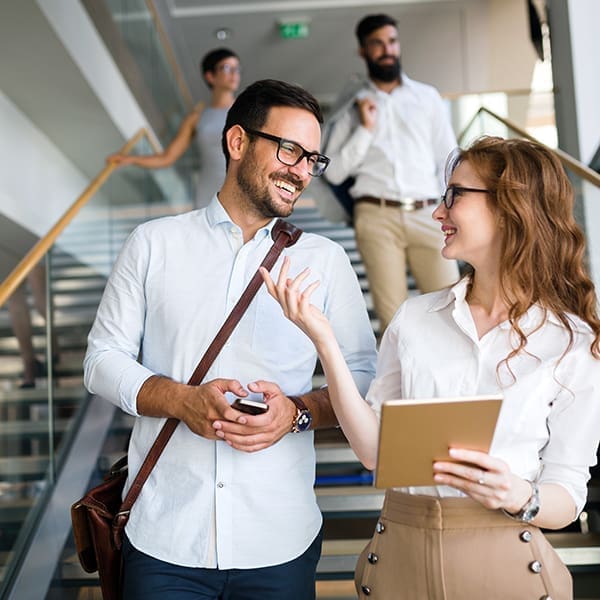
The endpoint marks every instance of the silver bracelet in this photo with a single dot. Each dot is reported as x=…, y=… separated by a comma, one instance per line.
x=530, y=509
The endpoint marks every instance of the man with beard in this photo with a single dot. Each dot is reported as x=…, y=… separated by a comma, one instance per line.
x=229, y=510
x=393, y=139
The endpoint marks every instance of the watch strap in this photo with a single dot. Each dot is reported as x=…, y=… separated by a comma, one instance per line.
x=303, y=418
x=298, y=402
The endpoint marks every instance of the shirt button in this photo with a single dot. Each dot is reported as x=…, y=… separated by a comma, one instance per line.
x=366, y=590
x=535, y=566
x=380, y=527
x=372, y=558
x=220, y=484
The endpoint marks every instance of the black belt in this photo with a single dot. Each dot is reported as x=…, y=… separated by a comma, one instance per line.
x=404, y=204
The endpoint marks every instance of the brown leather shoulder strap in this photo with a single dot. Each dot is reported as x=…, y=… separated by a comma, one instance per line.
x=285, y=234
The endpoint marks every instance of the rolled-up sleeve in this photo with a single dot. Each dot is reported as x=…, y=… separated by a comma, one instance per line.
x=111, y=368
x=574, y=426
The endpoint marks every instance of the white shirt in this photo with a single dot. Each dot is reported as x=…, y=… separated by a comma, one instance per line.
x=405, y=155
x=549, y=422
x=206, y=504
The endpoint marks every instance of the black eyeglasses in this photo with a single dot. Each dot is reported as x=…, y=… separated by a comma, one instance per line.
x=290, y=153
x=455, y=191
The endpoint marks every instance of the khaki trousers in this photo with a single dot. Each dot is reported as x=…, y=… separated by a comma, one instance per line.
x=427, y=548
x=389, y=239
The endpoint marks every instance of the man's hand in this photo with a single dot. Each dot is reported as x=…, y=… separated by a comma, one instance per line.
x=197, y=406
x=207, y=403
x=367, y=111
x=252, y=433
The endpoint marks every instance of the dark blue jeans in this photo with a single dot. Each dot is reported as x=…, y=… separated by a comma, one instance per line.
x=146, y=578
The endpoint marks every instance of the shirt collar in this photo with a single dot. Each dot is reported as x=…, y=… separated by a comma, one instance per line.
x=530, y=320
x=217, y=215
x=456, y=293
x=406, y=84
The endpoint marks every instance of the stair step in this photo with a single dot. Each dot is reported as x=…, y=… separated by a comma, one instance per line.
x=40, y=394
x=23, y=465
x=31, y=428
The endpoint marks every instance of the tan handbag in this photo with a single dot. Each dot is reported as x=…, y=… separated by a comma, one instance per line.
x=99, y=518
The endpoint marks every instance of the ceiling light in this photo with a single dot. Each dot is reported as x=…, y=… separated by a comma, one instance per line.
x=223, y=34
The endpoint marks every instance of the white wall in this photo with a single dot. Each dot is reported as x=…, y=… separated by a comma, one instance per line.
x=74, y=28
x=37, y=182
x=584, y=17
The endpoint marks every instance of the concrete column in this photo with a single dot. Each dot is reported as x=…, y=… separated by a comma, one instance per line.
x=576, y=63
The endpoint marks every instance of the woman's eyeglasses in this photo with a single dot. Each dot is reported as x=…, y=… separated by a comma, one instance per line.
x=455, y=191
x=227, y=68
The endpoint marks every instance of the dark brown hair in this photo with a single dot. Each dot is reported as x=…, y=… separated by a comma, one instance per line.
x=251, y=108
x=371, y=23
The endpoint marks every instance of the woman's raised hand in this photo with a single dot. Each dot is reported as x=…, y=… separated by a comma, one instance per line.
x=296, y=303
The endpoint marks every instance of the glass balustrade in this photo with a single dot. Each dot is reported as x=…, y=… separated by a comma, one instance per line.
x=37, y=423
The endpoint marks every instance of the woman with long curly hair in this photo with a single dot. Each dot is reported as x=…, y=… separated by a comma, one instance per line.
x=522, y=322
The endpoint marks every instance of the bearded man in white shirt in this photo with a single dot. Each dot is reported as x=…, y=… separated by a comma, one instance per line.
x=229, y=510
x=393, y=139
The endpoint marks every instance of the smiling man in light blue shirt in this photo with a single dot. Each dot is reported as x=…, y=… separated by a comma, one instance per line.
x=229, y=510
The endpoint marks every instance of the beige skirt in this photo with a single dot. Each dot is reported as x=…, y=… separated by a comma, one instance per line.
x=427, y=548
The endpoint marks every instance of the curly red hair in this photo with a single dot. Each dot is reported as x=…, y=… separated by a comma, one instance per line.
x=543, y=247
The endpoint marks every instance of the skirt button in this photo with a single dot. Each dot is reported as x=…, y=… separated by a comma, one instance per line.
x=380, y=527
x=366, y=590
x=525, y=536
x=372, y=558
x=535, y=566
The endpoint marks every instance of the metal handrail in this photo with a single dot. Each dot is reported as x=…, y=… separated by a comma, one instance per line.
x=39, y=250
x=576, y=166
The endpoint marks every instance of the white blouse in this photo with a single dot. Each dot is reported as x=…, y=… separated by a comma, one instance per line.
x=549, y=423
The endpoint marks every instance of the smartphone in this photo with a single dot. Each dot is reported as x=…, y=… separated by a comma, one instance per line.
x=250, y=407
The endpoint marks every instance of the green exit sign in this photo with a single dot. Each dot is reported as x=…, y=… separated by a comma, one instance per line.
x=293, y=31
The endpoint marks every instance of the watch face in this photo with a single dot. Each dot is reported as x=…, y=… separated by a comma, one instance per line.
x=303, y=420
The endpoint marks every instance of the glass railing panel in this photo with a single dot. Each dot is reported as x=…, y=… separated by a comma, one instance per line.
x=136, y=25
x=533, y=110
x=163, y=83
x=37, y=423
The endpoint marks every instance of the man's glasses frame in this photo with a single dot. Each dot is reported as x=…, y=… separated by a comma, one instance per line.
x=453, y=191
x=290, y=153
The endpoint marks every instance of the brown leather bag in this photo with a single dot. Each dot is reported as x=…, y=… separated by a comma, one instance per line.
x=99, y=518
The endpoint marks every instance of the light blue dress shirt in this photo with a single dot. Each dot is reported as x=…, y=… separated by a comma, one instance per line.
x=174, y=283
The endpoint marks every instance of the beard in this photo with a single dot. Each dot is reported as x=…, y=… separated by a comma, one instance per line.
x=258, y=194
x=385, y=72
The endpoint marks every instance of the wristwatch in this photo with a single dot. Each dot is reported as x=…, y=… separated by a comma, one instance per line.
x=303, y=418
x=530, y=509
